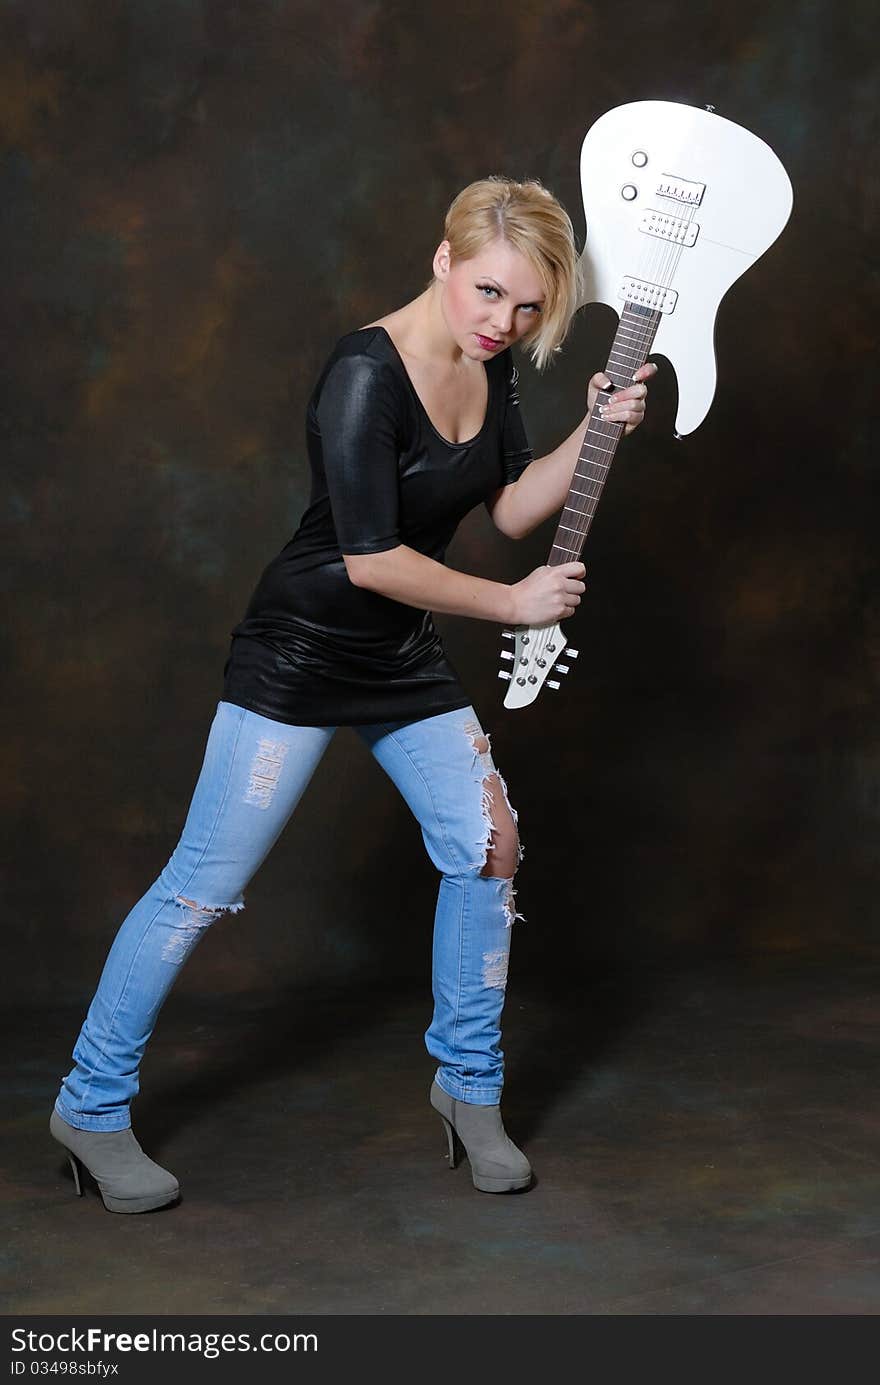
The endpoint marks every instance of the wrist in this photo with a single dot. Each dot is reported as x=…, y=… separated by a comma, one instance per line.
x=510, y=616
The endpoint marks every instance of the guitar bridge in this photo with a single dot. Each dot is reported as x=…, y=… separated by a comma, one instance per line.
x=680, y=189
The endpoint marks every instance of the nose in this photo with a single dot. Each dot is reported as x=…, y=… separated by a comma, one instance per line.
x=502, y=326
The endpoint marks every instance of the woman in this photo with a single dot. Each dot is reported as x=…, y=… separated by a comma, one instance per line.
x=414, y=420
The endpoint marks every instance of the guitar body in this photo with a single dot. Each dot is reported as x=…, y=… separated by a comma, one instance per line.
x=745, y=201
x=679, y=203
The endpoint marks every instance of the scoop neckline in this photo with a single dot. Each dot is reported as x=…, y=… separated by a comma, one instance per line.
x=465, y=442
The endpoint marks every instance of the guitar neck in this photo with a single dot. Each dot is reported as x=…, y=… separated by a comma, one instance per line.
x=629, y=350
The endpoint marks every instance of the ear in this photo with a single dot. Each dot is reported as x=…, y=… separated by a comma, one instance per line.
x=442, y=261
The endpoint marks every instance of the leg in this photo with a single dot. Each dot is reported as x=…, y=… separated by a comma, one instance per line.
x=443, y=767
x=252, y=777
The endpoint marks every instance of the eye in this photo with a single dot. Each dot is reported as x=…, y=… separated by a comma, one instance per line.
x=487, y=288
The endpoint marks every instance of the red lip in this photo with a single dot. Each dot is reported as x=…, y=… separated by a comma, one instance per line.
x=487, y=343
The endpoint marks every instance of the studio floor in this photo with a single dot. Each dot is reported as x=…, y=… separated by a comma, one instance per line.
x=705, y=1141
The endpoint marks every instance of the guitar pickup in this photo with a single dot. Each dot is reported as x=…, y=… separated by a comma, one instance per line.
x=654, y=296
x=671, y=228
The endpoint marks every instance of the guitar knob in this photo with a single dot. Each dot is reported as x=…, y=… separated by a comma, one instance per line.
x=503, y=673
x=571, y=653
x=551, y=683
x=507, y=654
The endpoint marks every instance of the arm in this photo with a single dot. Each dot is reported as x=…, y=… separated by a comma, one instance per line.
x=543, y=487
x=405, y=575
x=519, y=508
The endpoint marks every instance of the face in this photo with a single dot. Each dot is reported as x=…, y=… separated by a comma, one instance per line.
x=490, y=300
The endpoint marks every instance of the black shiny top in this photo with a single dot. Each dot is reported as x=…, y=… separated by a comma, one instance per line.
x=313, y=649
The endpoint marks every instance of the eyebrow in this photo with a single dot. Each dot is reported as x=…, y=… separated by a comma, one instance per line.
x=504, y=290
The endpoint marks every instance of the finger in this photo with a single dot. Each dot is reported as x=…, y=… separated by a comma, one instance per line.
x=631, y=392
x=645, y=372
x=634, y=414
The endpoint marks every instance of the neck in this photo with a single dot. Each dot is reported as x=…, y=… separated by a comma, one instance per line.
x=425, y=334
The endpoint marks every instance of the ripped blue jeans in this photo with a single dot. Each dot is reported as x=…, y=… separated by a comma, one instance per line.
x=253, y=775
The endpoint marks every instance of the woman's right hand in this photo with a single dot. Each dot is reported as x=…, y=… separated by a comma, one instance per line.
x=548, y=594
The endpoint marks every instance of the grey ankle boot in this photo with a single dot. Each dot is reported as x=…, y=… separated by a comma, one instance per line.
x=127, y=1179
x=497, y=1166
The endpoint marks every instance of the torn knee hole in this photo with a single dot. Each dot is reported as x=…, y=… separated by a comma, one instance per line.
x=193, y=924
x=501, y=847
x=200, y=914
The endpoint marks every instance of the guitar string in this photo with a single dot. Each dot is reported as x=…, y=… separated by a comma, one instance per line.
x=660, y=265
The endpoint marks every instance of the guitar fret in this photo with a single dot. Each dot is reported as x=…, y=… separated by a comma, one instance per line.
x=629, y=351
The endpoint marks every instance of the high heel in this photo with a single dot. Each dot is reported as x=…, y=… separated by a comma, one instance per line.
x=127, y=1179
x=453, y=1141
x=497, y=1166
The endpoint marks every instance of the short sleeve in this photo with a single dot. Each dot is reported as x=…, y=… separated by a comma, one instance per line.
x=515, y=445
x=357, y=413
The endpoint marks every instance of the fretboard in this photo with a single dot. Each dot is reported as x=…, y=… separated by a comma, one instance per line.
x=629, y=350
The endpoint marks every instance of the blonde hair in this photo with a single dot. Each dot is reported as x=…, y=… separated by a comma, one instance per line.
x=531, y=220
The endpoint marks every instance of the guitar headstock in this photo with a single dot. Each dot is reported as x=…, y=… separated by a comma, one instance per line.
x=534, y=656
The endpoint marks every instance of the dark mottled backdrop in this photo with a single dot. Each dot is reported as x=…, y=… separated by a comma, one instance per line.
x=198, y=197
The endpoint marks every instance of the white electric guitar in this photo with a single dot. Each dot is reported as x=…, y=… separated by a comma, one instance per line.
x=678, y=203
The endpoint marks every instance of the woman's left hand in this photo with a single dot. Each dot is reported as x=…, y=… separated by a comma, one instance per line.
x=625, y=406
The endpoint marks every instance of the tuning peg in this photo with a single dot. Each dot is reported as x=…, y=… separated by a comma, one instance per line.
x=551, y=683
x=560, y=668
x=504, y=673
x=507, y=654
x=507, y=635
x=571, y=653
